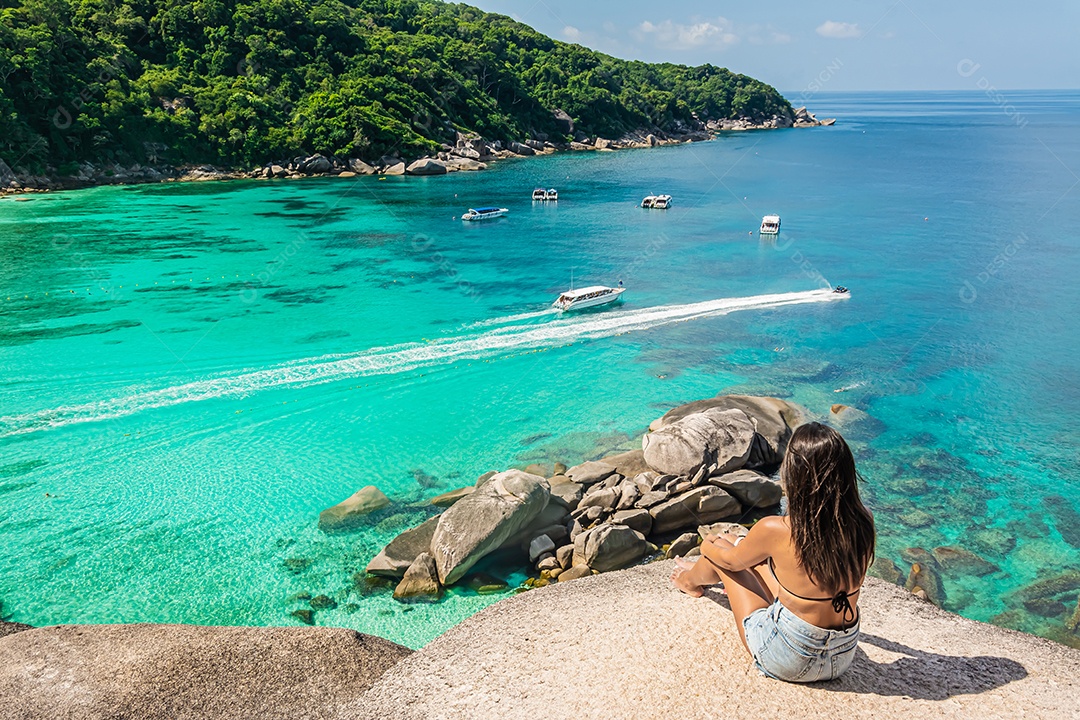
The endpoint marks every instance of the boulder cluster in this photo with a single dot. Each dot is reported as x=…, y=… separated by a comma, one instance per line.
x=701, y=463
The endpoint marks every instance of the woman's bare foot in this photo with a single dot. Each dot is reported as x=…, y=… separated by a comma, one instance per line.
x=681, y=579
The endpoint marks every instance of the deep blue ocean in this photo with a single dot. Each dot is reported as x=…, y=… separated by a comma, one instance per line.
x=190, y=372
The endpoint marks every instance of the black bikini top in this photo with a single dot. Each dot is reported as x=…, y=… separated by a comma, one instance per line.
x=841, y=601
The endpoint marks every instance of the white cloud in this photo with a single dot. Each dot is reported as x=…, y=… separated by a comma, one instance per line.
x=838, y=30
x=571, y=33
x=677, y=36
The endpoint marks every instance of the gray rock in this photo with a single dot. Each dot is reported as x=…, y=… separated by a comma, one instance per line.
x=484, y=520
x=589, y=473
x=565, y=556
x=426, y=166
x=718, y=439
x=603, y=497
x=682, y=545
x=399, y=554
x=549, y=563
x=609, y=547
x=567, y=493
x=455, y=164
x=750, y=488
x=557, y=533
x=485, y=477
x=564, y=122
x=449, y=498
x=640, y=520
x=10, y=628
x=420, y=581
x=539, y=546
x=649, y=499
x=395, y=169
x=700, y=505
x=360, y=167
x=538, y=469
x=350, y=513
x=774, y=420
x=521, y=149
x=648, y=481
x=575, y=572
x=628, y=495
x=314, y=165
x=630, y=463
x=187, y=671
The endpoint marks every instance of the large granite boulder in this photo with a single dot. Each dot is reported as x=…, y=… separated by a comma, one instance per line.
x=396, y=557
x=350, y=513
x=609, y=547
x=99, y=672
x=716, y=440
x=774, y=419
x=698, y=506
x=484, y=520
x=426, y=166
x=749, y=487
x=360, y=167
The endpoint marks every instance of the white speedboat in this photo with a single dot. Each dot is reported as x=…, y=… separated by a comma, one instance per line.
x=539, y=194
x=552, y=195
x=770, y=225
x=484, y=213
x=663, y=202
x=648, y=201
x=587, y=297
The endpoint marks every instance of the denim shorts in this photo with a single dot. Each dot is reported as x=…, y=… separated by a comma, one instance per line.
x=786, y=647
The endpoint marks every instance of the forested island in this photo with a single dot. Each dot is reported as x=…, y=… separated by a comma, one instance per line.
x=242, y=83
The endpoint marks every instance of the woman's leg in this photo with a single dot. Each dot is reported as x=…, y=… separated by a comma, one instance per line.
x=747, y=591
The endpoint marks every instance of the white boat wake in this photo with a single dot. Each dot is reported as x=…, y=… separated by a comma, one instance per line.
x=513, y=318
x=402, y=358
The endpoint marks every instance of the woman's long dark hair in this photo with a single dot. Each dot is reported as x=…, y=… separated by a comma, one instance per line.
x=832, y=531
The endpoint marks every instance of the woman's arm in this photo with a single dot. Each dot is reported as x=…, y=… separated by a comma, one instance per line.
x=755, y=548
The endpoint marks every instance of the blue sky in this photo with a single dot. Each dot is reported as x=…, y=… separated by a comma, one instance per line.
x=840, y=45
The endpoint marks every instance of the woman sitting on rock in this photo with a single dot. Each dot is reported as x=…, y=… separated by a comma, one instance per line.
x=794, y=581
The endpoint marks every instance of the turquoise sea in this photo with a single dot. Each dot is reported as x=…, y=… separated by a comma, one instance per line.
x=190, y=372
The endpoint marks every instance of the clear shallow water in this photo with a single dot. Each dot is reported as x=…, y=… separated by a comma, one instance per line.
x=192, y=372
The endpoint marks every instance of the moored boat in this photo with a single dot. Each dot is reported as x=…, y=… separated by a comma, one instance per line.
x=539, y=194
x=648, y=201
x=552, y=195
x=484, y=213
x=587, y=297
x=770, y=225
x=656, y=202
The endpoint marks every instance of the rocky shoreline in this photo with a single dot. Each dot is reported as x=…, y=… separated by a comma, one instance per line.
x=705, y=467
x=470, y=152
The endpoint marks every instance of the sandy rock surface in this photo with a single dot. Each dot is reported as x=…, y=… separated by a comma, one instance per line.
x=145, y=672
x=627, y=645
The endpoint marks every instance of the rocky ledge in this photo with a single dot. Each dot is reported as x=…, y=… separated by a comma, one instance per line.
x=94, y=672
x=704, y=467
x=469, y=152
x=621, y=644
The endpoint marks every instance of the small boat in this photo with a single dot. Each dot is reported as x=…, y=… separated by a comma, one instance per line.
x=539, y=194
x=770, y=225
x=663, y=202
x=648, y=201
x=552, y=195
x=587, y=297
x=841, y=290
x=484, y=213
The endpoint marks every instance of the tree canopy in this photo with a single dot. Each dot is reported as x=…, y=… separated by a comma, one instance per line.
x=240, y=82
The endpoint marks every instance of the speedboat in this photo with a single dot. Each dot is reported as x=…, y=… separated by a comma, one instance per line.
x=587, y=297
x=484, y=213
x=770, y=225
x=663, y=202
x=552, y=195
x=648, y=201
x=840, y=290
x=539, y=194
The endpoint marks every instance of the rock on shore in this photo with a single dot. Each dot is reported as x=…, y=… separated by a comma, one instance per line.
x=151, y=672
x=626, y=645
